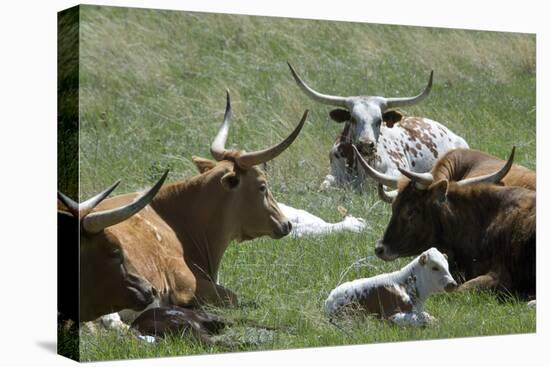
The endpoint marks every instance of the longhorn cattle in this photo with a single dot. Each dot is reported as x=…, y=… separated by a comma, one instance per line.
x=108, y=278
x=173, y=247
x=464, y=165
x=398, y=296
x=385, y=138
x=460, y=164
x=489, y=231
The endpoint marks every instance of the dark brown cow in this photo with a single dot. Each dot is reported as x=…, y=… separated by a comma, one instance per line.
x=488, y=231
x=465, y=165
x=174, y=246
x=174, y=320
x=460, y=164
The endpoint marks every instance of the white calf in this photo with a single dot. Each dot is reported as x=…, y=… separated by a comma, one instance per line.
x=398, y=296
x=307, y=224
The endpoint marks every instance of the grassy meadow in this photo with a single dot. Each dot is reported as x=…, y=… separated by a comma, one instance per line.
x=152, y=94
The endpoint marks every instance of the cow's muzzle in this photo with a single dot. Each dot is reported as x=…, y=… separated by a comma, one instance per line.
x=451, y=287
x=282, y=229
x=366, y=147
x=142, y=292
x=382, y=252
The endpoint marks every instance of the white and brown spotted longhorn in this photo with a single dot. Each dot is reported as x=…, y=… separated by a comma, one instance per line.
x=384, y=137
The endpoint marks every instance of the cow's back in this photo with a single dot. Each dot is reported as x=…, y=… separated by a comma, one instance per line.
x=513, y=238
x=416, y=143
x=459, y=164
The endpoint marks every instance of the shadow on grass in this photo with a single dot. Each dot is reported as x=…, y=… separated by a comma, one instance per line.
x=48, y=345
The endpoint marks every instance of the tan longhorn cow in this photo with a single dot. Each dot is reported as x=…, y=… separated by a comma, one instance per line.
x=174, y=246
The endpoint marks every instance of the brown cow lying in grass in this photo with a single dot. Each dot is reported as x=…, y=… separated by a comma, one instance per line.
x=489, y=231
x=164, y=247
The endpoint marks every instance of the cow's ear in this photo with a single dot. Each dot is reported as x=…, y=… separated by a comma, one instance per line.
x=203, y=164
x=439, y=190
x=423, y=259
x=340, y=115
x=391, y=117
x=230, y=180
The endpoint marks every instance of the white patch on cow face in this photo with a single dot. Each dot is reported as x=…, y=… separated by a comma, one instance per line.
x=366, y=119
x=434, y=275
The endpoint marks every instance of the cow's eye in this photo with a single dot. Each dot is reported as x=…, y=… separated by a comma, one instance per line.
x=115, y=253
x=263, y=188
x=435, y=268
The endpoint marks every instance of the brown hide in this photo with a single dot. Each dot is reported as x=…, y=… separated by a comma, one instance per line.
x=177, y=242
x=459, y=164
x=178, y=321
x=384, y=301
x=486, y=228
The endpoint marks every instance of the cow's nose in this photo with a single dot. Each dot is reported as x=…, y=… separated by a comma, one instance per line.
x=289, y=226
x=286, y=228
x=366, y=146
x=451, y=286
x=379, y=250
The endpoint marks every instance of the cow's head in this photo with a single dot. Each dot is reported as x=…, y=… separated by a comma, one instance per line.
x=246, y=203
x=432, y=273
x=416, y=207
x=364, y=113
x=108, y=282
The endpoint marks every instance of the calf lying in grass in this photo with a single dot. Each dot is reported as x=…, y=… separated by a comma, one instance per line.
x=399, y=296
x=307, y=224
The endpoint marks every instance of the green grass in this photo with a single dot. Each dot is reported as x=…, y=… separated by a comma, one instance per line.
x=153, y=94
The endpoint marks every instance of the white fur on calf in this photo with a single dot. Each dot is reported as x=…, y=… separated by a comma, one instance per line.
x=307, y=224
x=397, y=296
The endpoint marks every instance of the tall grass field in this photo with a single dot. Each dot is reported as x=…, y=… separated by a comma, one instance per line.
x=152, y=94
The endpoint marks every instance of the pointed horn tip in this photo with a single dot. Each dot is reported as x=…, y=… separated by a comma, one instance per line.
x=294, y=73
x=164, y=176
x=227, y=99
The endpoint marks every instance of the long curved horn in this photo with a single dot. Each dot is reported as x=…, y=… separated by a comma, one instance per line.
x=248, y=160
x=382, y=178
x=217, y=149
x=424, y=179
x=82, y=209
x=71, y=205
x=96, y=222
x=407, y=101
x=493, y=177
x=387, y=196
x=319, y=97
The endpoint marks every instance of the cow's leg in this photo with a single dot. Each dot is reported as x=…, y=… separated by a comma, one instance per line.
x=112, y=321
x=337, y=174
x=415, y=319
x=212, y=293
x=486, y=281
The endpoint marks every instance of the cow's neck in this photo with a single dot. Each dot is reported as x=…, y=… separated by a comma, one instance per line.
x=196, y=211
x=472, y=210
